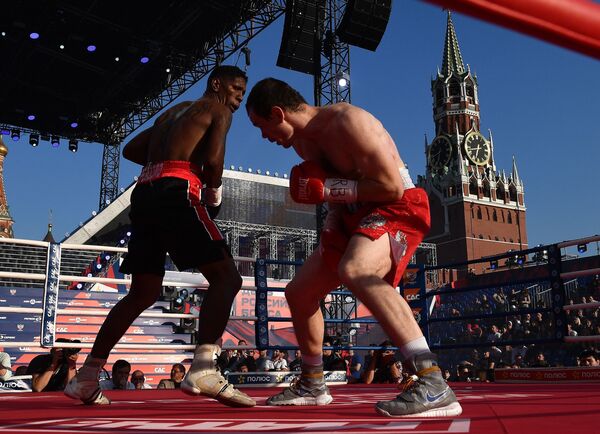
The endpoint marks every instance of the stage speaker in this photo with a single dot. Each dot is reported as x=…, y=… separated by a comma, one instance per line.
x=299, y=49
x=364, y=22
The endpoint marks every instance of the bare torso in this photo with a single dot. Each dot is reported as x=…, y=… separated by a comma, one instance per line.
x=181, y=132
x=348, y=141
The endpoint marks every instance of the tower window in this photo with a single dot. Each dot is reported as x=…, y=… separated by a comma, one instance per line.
x=455, y=90
x=495, y=216
x=509, y=220
x=479, y=216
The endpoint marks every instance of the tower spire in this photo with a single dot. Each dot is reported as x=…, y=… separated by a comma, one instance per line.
x=515, y=173
x=452, y=61
x=6, y=220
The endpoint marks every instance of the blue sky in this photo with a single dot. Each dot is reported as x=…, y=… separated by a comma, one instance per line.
x=539, y=100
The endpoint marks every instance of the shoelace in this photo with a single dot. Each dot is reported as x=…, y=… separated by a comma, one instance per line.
x=415, y=381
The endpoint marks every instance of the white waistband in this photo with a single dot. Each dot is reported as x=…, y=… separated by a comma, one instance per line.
x=406, y=178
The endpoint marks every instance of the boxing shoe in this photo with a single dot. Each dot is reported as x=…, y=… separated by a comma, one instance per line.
x=425, y=394
x=87, y=391
x=308, y=388
x=204, y=379
x=85, y=386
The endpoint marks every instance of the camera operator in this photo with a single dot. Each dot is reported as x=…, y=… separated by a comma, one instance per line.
x=51, y=372
x=383, y=366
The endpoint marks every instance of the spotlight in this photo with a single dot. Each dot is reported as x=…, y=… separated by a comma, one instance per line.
x=128, y=233
x=15, y=135
x=117, y=59
x=91, y=48
x=177, y=305
x=5, y=132
x=144, y=59
x=74, y=124
x=31, y=118
x=493, y=265
x=34, y=140
x=343, y=79
x=73, y=146
x=582, y=248
x=55, y=141
x=34, y=35
x=520, y=260
x=61, y=46
x=79, y=286
x=98, y=266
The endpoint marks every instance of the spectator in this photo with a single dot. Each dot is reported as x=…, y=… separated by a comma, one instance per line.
x=263, y=363
x=540, y=361
x=355, y=363
x=279, y=361
x=242, y=356
x=21, y=370
x=5, y=372
x=120, y=373
x=51, y=372
x=139, y=380
x=332, y=361
x=589, y=358
x=242, y=367
x=383, y=367
x=525, y=299
x=177, y=374
x=297, y=362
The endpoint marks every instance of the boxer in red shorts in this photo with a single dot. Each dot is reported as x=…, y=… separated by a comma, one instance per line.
x=177, y=196
x=375, y=222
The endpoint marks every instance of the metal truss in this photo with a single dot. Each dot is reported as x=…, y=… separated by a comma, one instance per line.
x=109, y=183
x=223, y=48
x=334, y=64
x=273, y=235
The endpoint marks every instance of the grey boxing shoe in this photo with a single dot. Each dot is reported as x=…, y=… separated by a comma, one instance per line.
x=308, y=388
x=299, y=394
x=426, y=394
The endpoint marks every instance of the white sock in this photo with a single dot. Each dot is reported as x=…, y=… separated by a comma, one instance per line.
x=91, y=368
x=412, y=348
x=312, y=360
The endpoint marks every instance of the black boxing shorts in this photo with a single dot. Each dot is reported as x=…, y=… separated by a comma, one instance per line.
x=167, y=216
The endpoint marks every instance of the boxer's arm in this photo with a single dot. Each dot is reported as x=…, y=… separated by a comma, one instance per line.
x=372, y=150
x=214, y=153
x=136, y=149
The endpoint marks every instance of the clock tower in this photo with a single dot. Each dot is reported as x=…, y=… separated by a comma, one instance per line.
x=476, y=210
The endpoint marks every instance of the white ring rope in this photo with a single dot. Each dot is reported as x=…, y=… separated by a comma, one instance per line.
x=579, y=273
x=577, y=339
x=568, y=307
x=104, y=312
x=579, y=241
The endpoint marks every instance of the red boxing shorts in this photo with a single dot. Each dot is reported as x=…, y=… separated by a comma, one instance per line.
x=167, y=216
x=406, y=222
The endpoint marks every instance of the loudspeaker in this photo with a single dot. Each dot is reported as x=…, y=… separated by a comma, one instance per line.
x=299, y=45
x=364, y=22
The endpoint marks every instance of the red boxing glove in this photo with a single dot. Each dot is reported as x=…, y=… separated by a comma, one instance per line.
x=309, y=184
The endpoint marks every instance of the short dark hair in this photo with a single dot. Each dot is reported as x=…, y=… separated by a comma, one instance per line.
x=589, y=353
x=270, y=92
x=226, y=71
x=121, y=363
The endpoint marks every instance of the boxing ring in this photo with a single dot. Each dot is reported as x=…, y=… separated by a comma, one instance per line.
x=555, y=404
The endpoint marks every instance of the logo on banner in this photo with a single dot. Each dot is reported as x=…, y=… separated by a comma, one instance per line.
x=13, y=291
x=20, y=327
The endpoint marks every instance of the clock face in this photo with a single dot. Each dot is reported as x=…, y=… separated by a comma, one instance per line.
x=440, y=152
x=477, y=149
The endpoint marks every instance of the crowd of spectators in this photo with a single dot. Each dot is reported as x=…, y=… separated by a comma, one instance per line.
x=515, y=323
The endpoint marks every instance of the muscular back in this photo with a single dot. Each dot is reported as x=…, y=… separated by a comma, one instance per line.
x=183, y=132
x=190, y=131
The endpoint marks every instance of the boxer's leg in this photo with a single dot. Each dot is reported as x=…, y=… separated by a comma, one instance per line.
x=308, y=287
x=203, y=377
x=362, y=269
x=143, y=293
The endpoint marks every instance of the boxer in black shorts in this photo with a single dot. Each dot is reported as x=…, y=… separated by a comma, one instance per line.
x=177, y=196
